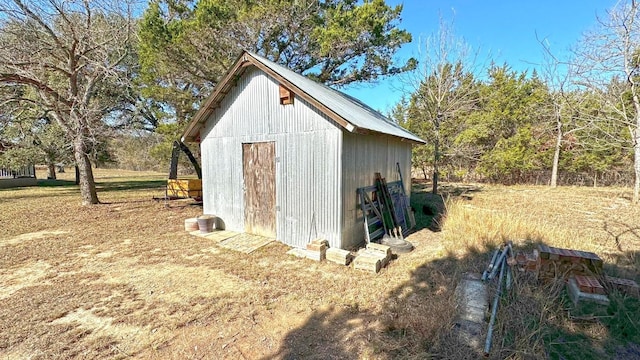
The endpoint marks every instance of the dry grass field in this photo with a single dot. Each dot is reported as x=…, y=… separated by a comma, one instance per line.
x=122, y=279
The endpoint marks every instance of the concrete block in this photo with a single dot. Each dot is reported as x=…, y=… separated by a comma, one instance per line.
x=339, y=256
x=320, y=247
x=576, y=295
x=383, y=249
x=625, y=286
x=368, y=262
x=320, y=242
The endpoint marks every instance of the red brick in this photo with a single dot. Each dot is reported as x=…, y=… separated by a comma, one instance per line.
x=589, y=284
x=583, y=283
x=521, y=259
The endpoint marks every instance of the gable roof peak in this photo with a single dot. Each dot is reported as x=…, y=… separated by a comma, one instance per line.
x=349, y=112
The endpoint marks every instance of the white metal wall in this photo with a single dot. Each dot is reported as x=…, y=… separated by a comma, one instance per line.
x=364, y=155
x=308, y=151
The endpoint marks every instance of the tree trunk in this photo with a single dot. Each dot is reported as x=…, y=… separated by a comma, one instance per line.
x=635, y=135
x=51, y=167
x=556, y=152
x=87, y=183
x=436, y=146
x=636, y=162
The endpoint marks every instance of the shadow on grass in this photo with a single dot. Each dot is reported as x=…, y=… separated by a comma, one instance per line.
x=535, y=320
x=41, y=183
x=591, y=331
x=430, y=209
x=543, y=314
x=68, y=187
x=56, y=183
x=416, y=321
x=62, y=188
x=416, y=317
x=104, y=186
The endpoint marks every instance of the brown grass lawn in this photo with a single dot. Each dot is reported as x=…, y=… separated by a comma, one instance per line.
x=122, y=279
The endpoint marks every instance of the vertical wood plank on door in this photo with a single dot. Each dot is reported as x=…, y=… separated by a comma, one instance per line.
x=259, y=170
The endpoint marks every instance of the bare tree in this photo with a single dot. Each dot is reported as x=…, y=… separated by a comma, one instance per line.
x=557, y=75
x=71, y=53
x=441, y=88
x=607, y=57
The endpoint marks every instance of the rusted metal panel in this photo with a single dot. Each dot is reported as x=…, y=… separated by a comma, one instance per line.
x=364, y=155
x=259, y=188
x=307, y=158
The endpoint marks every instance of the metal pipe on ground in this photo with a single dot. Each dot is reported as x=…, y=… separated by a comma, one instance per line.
x=494, y=310
x=509, y=276
x=494, y=271
x=491, y=264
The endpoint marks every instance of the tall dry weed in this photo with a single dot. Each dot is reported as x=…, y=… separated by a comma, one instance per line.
x=468, y=227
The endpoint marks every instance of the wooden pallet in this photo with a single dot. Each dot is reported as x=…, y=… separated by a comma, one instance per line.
x=374, y=227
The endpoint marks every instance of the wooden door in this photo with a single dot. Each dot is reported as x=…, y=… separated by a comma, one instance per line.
x=259, y=170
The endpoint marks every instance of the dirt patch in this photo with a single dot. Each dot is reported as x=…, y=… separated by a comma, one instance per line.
x=13, y=280
x=130, y=338
x=31, y=236
x=175, y=283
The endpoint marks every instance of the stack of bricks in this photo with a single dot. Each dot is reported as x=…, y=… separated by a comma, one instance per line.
x=532, y=261
x=564, y=263
x=528, y=262
x=625, y=286
x=373, y=258
x=317, y=249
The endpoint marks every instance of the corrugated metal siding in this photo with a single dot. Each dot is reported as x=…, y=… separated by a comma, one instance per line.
x=349, y=108
x=308, y=146
x=364, y=155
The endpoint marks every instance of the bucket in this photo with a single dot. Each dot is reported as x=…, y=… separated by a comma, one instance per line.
x=205, y=223
x=191, y=224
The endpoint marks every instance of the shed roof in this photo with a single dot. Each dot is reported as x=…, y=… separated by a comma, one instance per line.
x=352, y=114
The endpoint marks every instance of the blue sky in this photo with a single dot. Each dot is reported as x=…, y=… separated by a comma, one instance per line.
x=504, y=30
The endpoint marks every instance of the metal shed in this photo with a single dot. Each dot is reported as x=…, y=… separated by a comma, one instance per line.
x=282, y=155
